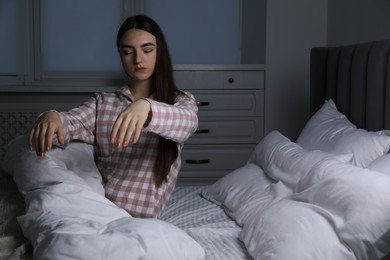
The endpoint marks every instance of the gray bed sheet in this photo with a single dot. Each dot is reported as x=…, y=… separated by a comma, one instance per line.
x=206, y=222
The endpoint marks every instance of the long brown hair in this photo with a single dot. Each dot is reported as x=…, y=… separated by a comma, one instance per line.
x=163, y=87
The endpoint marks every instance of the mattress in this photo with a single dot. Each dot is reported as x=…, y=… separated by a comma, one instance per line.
x=204, y=221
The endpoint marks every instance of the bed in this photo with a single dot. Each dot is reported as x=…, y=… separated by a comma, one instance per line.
x=325, y=195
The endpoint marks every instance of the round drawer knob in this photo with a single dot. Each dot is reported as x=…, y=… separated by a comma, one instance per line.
x=231, y=80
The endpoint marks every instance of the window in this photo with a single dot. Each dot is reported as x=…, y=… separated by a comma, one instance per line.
x=55, y=43
x=52, y=42
x=13, y=47
x=77, y=38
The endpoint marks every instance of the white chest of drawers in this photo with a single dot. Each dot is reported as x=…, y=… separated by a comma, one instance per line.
x=231, y=119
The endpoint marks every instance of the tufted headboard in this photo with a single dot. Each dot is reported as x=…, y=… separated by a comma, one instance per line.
x=357, y=78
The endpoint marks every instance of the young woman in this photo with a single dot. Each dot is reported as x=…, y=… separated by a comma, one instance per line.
x=138, y=131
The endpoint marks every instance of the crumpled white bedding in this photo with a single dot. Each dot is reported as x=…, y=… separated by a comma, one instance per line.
x=13, y=245
x=68, y=217
x=302, y=205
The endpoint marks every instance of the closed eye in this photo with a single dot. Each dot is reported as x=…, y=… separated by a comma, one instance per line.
x=127, y=49
x=148, y=50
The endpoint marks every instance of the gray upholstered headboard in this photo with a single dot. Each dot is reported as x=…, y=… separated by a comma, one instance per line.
x=357, y=78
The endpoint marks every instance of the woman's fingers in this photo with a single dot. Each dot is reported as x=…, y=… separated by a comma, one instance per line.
x=35, y=140
x=119, y=130
x=42, y=133
x=60, y=136
x=129, y=132
x=31, y=140
x=137, y=132
x=124, y=131
x=44, y=139
x=115, y=129
x=129, y=123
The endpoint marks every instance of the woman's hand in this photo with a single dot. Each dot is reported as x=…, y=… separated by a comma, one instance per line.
x=130, y=122
x=42, y=133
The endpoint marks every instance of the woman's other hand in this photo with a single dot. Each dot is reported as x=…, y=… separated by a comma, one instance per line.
x=42, y=133
x=129, y=124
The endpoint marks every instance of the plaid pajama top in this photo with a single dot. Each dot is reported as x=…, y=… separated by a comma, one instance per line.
x=128, y=172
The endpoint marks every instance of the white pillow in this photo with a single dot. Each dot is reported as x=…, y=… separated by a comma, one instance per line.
x=237, y=188
x=292, y=230
x=285, y=161
x=381, y=164
x=355, y=200
x=329, y=130
x=250, y=186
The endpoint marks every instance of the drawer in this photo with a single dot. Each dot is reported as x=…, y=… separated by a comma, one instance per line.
x=219, y=79
x=231, y=130
x=197, y=159
x=230, y=102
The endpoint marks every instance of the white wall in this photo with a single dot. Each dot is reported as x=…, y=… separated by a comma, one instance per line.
x=354, y=21
x=293, y=28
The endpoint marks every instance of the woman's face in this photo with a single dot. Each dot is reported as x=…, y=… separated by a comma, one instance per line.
x=138, y=52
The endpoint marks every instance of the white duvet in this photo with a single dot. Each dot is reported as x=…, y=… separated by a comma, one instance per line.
x=68, y=217
x=298, y=204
